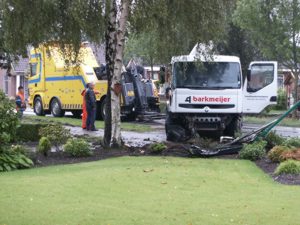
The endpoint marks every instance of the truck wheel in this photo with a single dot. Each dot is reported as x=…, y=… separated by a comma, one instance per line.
x=38, y=107
x=175, y=132
x=102, y=109
x=234, y=127
x=56, y=109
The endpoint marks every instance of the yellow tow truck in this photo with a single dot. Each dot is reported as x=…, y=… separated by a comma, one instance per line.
x=56, y=88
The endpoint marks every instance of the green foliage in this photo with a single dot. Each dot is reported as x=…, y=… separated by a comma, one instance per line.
x=288, y=167
x=253, y=151
x=18, y=149
x=44, y=146
x=56, y=133
x=14, y=158
x=22, y=20
x=275, y=153
x=274, y=139
x=292, y=142
x=176, y=26
x=158, y=147
x=77, y=147
x=281, y=100
x=274, y=27
x=29, y=131
x=8, y=120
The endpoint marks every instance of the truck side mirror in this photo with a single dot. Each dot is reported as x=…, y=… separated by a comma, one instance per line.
x=249, y=75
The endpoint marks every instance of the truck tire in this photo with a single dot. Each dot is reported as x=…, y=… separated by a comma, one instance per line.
x=38, y=107
x=234, y=127
x=100, y=112
x=175, y=132
x=56, y=109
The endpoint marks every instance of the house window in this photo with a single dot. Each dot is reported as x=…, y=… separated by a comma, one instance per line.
x=6, y=80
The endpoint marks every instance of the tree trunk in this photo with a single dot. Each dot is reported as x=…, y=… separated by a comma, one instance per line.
x=110, y=42
x=116, y=80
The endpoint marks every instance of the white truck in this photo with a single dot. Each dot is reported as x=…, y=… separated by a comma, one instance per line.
x=209, y=94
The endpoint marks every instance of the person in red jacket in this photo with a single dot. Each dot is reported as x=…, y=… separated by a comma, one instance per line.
x=84, y=112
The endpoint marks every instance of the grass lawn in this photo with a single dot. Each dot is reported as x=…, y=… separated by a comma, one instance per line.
x=289, y=122
x=147, y=190
x=77, y=122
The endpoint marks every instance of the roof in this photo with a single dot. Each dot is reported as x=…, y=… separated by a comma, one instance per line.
x=20, y=65
x=99, y=52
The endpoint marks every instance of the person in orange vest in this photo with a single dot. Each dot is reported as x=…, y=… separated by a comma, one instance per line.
x=84, y=112
x=20, y=102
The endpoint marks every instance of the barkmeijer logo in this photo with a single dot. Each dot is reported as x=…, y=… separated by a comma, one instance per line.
x=188, y=99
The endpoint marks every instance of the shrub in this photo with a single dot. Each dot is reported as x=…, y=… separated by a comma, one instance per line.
x=8, y=121
x=282, y=100
x=288, y=167
x=56, y=133
x=274, y=139
x=253, y=151
x=19, y=149
x=77, y=147
x=275, y=153
x=12, y=159
x=292, y=142
x=29, y=132
x=44, y=146
x=158, y=147
x=291, y=154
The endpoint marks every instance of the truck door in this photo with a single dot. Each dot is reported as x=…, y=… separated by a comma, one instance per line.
x=35, y=82
x=260, y=87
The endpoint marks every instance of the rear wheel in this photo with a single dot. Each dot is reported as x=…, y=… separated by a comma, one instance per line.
x=102, y=109
x=38, y=107
x=56, y=109
x=100, y=112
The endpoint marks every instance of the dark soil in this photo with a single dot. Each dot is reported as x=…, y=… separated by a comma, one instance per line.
x=269, y=167
x=58, y=158
x=176, y=150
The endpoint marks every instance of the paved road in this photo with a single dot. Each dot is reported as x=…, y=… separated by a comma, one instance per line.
x=159, y=135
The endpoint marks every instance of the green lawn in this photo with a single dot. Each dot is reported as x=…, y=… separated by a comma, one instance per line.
x=171, y=191
x=289, y=122
x=77, y=122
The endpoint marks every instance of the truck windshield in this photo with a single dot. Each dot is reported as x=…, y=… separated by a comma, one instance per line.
x=207, y=75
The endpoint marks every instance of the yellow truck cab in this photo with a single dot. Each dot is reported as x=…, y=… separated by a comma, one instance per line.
x=56, y=88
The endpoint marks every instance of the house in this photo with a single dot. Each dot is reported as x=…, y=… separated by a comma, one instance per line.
x=155, y=75
x=9, y=82
x=286, y=80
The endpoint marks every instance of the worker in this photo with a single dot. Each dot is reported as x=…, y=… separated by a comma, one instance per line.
x=20, y=102
x=90, y=101
x=84, y=112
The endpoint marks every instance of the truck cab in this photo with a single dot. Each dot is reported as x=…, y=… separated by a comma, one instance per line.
x=210, y=94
